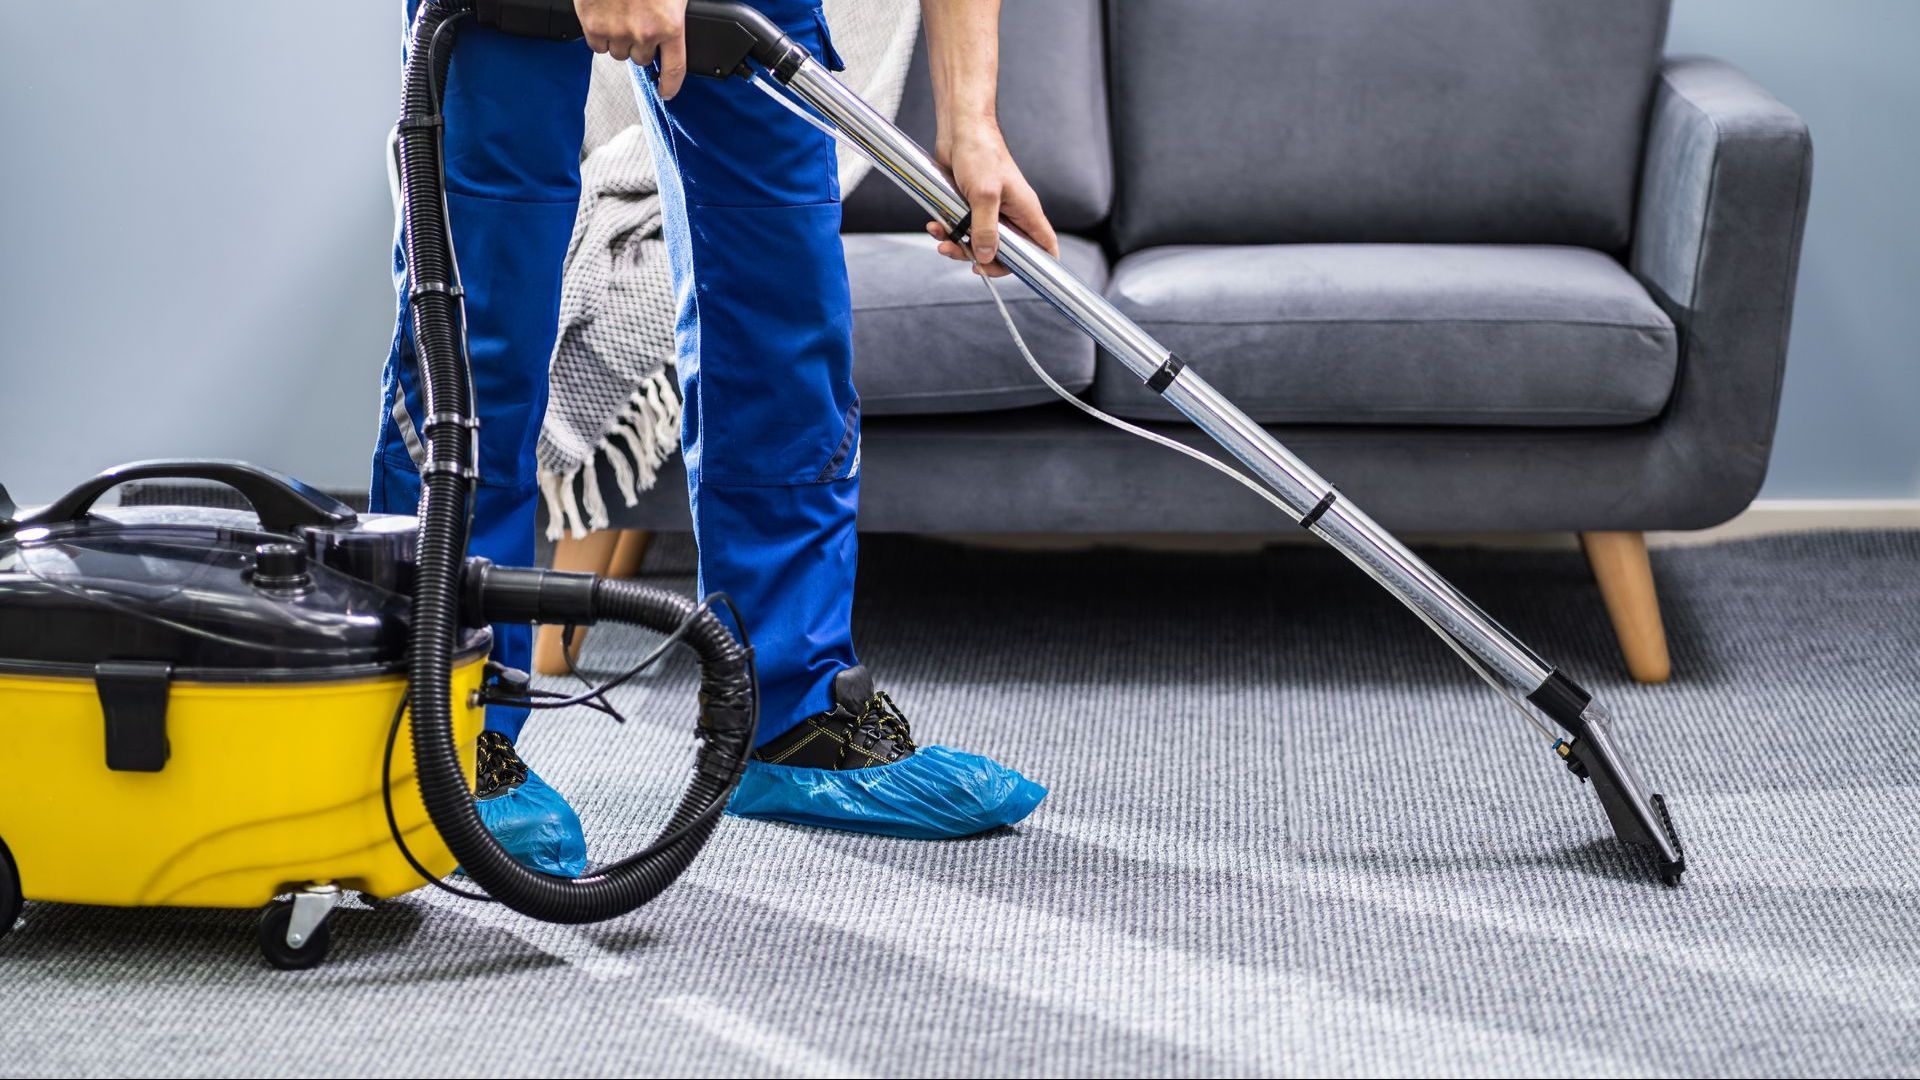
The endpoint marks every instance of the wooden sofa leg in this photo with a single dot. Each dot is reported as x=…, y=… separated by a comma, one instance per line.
x=629, y=553
x=1619, y=561
x=592, y=553
x=614, y=553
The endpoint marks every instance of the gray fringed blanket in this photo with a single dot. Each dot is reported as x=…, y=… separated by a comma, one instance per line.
x=613, y=403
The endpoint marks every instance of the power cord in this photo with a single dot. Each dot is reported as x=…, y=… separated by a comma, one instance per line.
x=786, y=101
x=393, y=824
x=547, y=700
x=599, y=692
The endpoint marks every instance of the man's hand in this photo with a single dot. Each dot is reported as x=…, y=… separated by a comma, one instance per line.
x=984, y=172
x=963, y=49
x=636, y=30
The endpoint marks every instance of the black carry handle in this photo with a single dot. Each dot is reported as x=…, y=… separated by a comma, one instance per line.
x=281, y=502
x=721, y=34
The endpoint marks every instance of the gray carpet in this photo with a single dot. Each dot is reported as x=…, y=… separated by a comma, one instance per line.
x=1287, y=835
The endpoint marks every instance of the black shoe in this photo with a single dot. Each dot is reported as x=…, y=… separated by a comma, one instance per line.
x=863, y=729
x=498, y=769
x=529, y=818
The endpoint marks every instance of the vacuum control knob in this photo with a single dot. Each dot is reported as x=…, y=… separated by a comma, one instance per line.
x=281, y=568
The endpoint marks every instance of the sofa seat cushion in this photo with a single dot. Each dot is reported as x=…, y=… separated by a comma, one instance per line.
x=927, y=338
x=1400, y=334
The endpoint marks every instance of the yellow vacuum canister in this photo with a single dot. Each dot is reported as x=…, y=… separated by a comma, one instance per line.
x=197, y=705
x=207, y=707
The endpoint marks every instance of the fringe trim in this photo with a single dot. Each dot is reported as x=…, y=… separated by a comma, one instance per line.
x=644, y=434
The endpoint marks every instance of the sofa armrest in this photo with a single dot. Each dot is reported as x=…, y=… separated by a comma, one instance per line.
x=1723, y=201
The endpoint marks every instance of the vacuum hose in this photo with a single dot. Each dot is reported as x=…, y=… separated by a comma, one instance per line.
x=442, y=574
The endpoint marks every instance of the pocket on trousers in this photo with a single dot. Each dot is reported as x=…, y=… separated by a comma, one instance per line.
x=775, y=365
x=828, y=55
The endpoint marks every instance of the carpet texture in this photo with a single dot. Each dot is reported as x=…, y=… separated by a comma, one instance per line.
x=1289, y=835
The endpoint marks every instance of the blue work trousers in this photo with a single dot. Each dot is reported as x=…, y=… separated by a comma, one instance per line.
x=771, y=426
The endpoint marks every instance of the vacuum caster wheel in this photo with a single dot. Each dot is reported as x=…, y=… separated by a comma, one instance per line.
x=293, y=933
x=10, y=896
x=274, y=923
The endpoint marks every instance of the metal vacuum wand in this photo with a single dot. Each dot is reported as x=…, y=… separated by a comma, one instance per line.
x=725, y=39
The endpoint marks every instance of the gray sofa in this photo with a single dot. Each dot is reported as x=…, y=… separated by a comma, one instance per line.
x=1486, y=264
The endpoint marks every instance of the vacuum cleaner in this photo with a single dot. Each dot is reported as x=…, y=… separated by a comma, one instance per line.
x=216, y=696
x=730, y=39
x=204, y=706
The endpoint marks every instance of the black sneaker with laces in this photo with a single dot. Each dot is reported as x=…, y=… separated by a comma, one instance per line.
x=526, y=815
x=498, y=768
x=863, y=729
x=825, y=773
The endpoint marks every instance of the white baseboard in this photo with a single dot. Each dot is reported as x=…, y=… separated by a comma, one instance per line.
x=1766, y=517
x=1773, y=517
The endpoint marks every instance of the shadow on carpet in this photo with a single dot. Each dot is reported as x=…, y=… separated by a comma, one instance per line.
x=1289, y=835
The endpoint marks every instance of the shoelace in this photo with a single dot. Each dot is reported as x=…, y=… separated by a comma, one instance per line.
x=880, y=719
x=498, y=767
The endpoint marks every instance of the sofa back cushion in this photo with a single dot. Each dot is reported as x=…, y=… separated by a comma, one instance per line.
x=1053, y=110
x=1436, y=121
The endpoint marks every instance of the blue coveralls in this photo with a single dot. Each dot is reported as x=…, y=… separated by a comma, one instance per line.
x=771, y=428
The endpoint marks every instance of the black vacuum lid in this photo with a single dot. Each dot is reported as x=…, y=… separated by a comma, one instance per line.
x=197, y=589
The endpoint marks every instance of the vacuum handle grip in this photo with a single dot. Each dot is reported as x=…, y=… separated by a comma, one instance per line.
x=281, y=502
x=553, y=20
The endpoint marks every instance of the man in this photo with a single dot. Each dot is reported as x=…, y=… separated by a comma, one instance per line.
x=771, y=428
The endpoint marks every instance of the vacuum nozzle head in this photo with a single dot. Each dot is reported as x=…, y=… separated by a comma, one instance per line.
x=1594, y=755
x=1642, y=821
x=1639, y=817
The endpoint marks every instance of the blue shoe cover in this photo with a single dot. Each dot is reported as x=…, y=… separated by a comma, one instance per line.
x=537, y=828
x=936, y=793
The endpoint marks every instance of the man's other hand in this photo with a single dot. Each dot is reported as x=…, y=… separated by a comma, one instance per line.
x=984, y=172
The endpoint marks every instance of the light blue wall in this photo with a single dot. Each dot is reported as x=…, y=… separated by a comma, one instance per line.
x=193, y=226
x=1850, y=417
